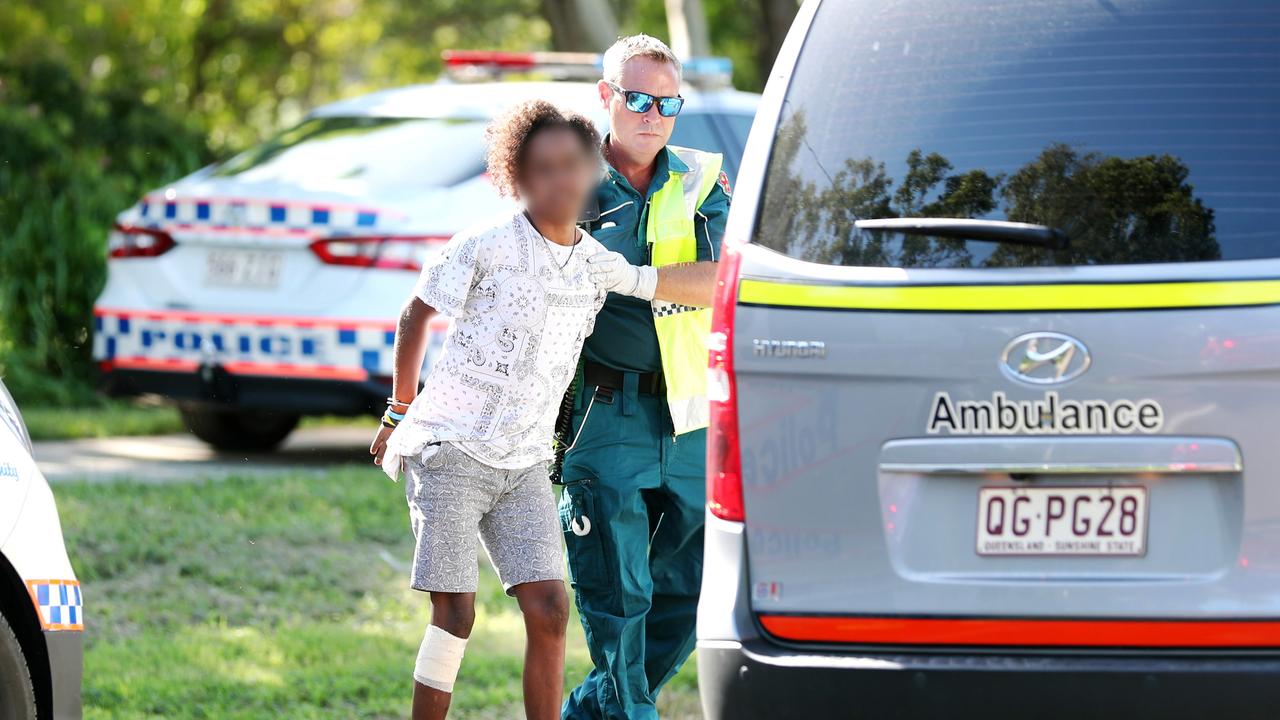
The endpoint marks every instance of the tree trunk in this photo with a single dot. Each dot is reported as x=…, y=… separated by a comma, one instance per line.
x=580, y=25
x=687, y=27
x=210, y=36
x=777, y=16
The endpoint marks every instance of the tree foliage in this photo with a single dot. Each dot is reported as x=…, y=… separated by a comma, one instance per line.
x=242, y=68
x=70, y=159
x=101, y=100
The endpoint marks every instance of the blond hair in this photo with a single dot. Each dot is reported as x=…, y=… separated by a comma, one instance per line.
x=637, y=46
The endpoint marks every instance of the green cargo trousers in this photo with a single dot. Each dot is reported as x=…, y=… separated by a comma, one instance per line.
x=632, y=515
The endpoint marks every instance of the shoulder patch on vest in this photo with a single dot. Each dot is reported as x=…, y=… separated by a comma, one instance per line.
x=723, y=181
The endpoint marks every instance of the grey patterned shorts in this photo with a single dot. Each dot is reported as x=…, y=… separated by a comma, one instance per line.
x=452, y=495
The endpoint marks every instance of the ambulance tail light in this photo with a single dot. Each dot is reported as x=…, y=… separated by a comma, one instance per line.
x=724, y=457
x=387, y=253
x=133, y=242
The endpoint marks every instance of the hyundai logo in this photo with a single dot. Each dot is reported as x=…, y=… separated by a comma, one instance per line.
x=1044, y=358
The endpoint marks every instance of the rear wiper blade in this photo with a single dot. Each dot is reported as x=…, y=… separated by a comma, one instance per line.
x=991, y=230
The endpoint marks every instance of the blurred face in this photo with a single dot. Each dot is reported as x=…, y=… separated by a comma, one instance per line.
x=558, y=174
x=642, y=135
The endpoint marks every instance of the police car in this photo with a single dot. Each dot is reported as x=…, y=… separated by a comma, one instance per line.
x=996, y=368
x=41, y=620
x=266, y=287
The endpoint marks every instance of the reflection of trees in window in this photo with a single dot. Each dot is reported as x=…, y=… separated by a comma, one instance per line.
x=1114, y=210
x=787, y=200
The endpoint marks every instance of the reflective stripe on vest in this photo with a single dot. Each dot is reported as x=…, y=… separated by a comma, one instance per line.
x=682, y=330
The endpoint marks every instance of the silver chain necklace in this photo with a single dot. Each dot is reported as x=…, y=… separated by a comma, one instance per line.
x=547, y=246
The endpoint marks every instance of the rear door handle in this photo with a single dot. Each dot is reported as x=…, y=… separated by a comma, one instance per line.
x=1060, y=455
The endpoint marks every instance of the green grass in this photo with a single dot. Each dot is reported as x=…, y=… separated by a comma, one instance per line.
x=112, y=417
x=280, y=597
x=117, y=417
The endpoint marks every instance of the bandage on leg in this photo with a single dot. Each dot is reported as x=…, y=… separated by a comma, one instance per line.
x=439, y=659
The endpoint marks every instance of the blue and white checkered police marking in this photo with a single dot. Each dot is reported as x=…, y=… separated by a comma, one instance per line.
x=185, y=337
x=158, y=211
x=59, y=604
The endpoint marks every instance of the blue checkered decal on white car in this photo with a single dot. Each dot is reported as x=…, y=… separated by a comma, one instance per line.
x=59, y=604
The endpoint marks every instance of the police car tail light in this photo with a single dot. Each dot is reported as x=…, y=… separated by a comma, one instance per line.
x=388, y=253
x=724, y=459
x=130, y=242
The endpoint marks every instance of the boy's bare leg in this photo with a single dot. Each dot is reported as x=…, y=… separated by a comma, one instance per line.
x=546, y=613
x=454, y=613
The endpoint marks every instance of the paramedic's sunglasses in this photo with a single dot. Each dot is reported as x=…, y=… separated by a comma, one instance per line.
x=638, y=102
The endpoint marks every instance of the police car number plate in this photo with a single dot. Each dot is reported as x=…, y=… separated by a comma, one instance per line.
x=243, y=268
x=1062, y=520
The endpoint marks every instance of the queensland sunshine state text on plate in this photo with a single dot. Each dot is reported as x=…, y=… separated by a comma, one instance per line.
x=1075, y=520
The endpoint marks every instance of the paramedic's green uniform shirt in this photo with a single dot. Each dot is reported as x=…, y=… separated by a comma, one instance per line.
x=624, y=337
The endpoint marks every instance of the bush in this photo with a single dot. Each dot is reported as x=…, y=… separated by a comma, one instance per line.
x=72, y=158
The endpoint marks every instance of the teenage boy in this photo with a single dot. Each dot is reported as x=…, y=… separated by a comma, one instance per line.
x=474, y=446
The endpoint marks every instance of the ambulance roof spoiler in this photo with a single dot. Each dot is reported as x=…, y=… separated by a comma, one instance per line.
x=472, y=65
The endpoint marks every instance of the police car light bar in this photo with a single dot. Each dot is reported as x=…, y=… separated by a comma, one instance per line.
x=490, y=64
x=519, y=60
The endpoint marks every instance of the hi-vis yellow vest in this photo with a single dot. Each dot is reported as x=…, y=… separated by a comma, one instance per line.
x=682, y=330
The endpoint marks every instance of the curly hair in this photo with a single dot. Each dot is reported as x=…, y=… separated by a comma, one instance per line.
x=508, y=138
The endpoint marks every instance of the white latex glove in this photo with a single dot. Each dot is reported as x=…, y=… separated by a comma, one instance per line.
x=611, y=271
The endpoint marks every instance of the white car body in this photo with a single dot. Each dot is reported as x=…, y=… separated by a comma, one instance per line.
x=243, y=314
x=41, y=598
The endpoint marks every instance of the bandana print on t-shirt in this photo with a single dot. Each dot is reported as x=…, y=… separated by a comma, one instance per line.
x=519, y=323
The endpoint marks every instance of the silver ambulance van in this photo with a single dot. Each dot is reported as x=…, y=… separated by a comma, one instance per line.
x=996, y=368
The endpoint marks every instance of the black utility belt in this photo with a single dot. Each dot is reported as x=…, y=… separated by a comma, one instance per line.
x=597, y=375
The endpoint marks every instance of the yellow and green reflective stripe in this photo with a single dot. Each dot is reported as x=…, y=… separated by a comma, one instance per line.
x=1013, y=298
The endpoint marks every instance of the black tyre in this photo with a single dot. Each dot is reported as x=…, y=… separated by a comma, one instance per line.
x=17, y=690
x=239, y=430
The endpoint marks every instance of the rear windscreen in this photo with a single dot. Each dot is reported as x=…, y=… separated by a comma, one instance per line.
x=1144, y=131
x=369, y=156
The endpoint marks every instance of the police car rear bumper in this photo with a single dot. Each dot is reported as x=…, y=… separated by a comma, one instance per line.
x=307, y=365
x=218, y=385
x=761, y=679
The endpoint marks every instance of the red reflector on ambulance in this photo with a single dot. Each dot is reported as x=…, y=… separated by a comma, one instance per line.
x=1024, y=632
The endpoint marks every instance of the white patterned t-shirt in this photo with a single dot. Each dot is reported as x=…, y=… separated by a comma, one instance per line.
x=519, y=320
